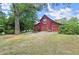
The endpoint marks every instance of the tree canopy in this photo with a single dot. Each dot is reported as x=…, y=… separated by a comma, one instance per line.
x=70, y=27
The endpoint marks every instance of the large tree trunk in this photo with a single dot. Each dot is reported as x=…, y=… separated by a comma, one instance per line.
x=16, y=14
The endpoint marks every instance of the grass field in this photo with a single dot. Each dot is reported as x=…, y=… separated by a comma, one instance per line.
x=42, y=43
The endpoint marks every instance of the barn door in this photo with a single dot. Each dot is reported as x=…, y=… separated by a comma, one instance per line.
x=44, y=28
x=54, y=28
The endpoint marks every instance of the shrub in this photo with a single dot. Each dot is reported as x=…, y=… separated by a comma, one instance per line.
x=69, y=28
x=9, y=31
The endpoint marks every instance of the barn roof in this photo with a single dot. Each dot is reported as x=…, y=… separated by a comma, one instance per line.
x=56, y=21
x=36, y=22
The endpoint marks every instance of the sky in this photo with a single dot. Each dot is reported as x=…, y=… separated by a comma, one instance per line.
x=60, y=11
x=56, y=12
x=5, y=8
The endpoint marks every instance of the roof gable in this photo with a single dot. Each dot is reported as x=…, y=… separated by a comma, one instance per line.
x=45, y=16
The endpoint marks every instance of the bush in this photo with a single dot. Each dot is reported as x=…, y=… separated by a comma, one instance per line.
x=9, y=31
x=2, y=30
x=69, y=28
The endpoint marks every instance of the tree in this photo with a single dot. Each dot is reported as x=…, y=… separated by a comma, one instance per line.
x=73, y=19
x=2, y=20
x=16, y=13
x=71, y=27
x=63, y=20
x=28, y=17
x=24, y=13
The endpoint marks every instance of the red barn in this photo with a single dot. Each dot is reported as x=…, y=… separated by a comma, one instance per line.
x=47, y=24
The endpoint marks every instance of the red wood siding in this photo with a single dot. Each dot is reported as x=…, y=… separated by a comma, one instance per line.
x=37, y=27
x=50, y=25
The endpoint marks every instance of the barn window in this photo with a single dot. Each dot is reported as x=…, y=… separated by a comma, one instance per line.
x=44, y=21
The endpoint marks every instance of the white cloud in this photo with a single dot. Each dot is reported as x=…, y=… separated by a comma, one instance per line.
x=49, y=7
x=5, y=6
x=67, y=13
x=77, y=11
x=68, y=9
x=77, y=16
x=61, y=13
x=56, y=13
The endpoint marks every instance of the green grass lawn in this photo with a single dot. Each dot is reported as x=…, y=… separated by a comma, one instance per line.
x=42, y=43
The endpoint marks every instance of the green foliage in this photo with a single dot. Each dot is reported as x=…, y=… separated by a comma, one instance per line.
x=73, y=19
x=71, y=27
x=28, y=17
x=6, y=25
x=9, y=31
x=63, y=20
x=2, y=21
